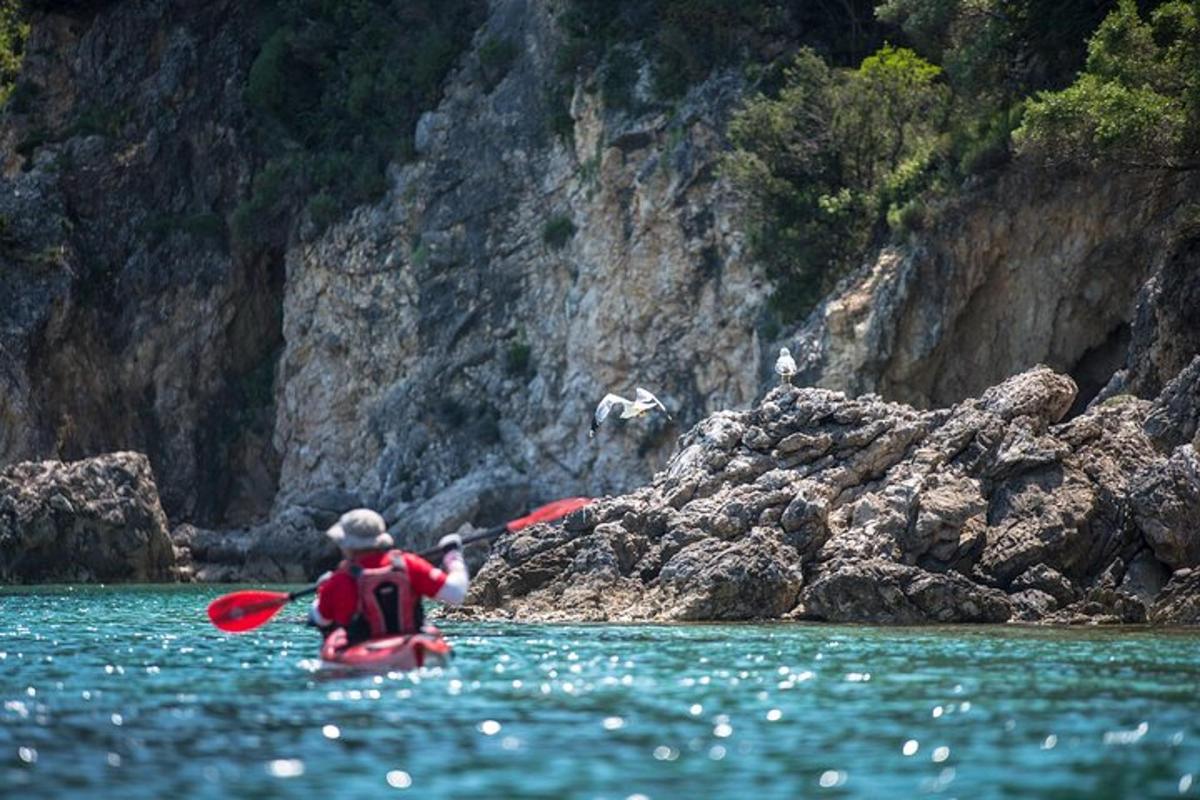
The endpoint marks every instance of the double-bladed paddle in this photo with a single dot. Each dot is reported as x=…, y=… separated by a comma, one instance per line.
x=246, y=610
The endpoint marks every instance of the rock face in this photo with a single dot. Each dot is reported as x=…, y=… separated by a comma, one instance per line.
x=436, y=355
x=92, y=520
x=128, y=323
x=816, y=506
x=445, y=335
x=1021, y=270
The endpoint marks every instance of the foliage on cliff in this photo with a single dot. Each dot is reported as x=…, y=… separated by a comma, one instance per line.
x=834, y=160
x=1137, y=103
x=13, y=30
x=820, y=163
x=683, y=41
x=336, y=89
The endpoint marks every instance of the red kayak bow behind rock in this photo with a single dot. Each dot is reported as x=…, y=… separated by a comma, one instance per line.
x=246, y=610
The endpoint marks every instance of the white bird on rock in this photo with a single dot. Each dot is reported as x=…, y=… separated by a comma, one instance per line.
x=785, y=367
x=644, y=404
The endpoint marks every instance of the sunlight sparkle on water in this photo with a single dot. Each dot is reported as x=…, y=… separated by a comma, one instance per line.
x=399, y=779
x=617, y=719
x=285, y=768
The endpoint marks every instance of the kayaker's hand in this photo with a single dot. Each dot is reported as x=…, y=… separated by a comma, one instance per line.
x=314, y=621
x=450, y=542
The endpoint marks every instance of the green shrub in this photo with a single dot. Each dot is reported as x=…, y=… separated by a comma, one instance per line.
x=323, y=210
x=517, y=359
x=618, y=79
x=420, y=254
x=14, y=29
x=557, y=231
x=822, y=164
x=338, y=88
x=1138, y=101
x=495, y=58
x=558, y=117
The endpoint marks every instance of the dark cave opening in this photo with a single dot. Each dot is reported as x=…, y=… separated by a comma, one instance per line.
x=1096, y=366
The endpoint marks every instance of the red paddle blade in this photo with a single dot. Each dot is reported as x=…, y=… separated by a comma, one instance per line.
x=244, y=611
x=548, y=512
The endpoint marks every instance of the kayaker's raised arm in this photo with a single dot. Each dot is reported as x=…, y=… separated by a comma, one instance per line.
x=454, y=590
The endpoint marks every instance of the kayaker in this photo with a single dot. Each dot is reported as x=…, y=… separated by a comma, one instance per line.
x=377, y=590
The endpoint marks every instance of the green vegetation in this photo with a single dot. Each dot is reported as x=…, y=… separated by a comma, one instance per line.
x=834, y=155
x=203, y=225
x=13, y=31
x=518, y=358
x=557, y=231
x=336, y=89
x=683, y=41
x=495, y=58
x=1137, y=103
x=833, y=159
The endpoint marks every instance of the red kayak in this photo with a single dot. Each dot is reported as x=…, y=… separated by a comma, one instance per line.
x=391, y=653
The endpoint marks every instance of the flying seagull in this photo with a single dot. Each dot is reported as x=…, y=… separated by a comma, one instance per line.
x=785, y=367
x=644, y=404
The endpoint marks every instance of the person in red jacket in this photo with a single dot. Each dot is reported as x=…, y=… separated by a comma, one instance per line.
x=376, y=590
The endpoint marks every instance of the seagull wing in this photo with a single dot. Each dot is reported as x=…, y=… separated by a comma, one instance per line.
x=645, y=398
x=605, y=407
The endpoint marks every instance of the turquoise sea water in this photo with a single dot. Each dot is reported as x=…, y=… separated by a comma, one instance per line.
x=131, y=693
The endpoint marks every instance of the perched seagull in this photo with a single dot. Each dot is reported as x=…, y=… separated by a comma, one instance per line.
x=785, y=367
x=644, y=404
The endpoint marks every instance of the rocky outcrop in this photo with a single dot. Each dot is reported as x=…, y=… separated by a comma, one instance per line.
x=86, y=521
x=1165, y=335
x=1019, y=270
x=813, y=505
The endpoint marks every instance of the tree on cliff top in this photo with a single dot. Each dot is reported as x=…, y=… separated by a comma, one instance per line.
x=13, y=30
x=1136, y=104
x=821, y=165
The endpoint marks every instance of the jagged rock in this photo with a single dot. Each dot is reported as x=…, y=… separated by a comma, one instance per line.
x=882, y=591
x=98, y=519
x=1048, y=581
x=1179, y=603
x=1175, y=417
x=1166, y=506
x=982, y=513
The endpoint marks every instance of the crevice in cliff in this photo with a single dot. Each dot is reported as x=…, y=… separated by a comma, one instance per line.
x=1096, y=367
x=236, y=460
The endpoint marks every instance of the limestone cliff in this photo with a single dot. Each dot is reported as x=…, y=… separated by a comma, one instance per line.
x=128, y=323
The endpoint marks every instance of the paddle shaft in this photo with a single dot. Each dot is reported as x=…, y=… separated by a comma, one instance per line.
x=482, y=536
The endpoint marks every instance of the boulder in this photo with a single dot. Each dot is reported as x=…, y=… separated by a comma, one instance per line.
x=93, y=520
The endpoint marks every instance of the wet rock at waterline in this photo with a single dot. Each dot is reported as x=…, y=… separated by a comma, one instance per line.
x=813, y=505
x=93, y=520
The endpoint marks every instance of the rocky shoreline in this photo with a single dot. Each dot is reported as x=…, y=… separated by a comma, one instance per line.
x=809, y=506
x=815, y=506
